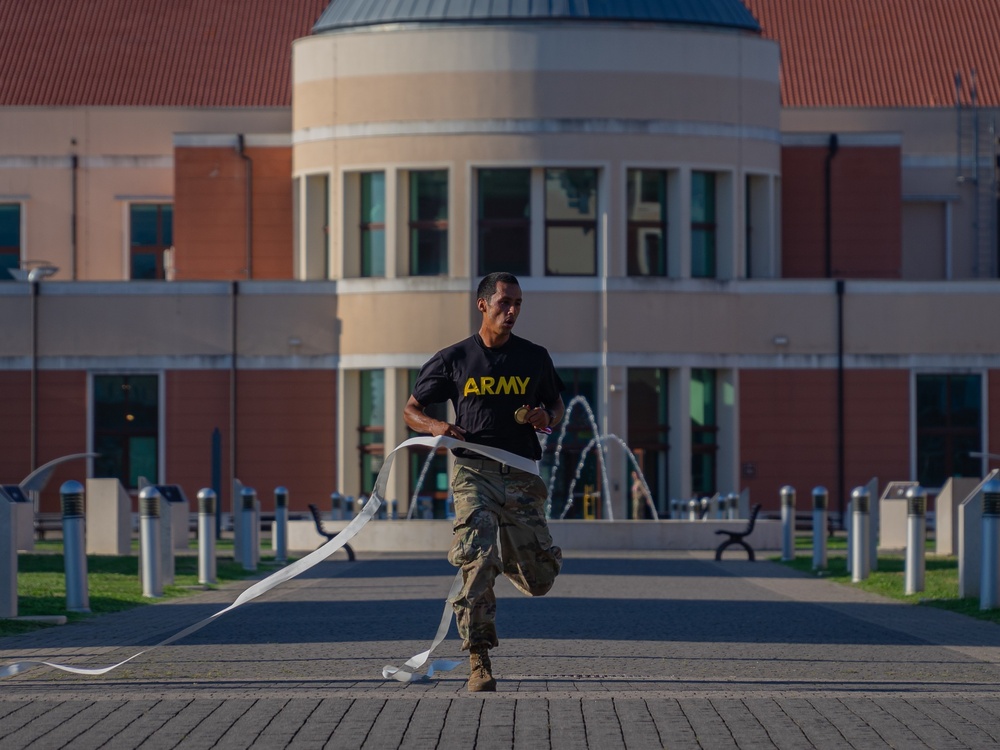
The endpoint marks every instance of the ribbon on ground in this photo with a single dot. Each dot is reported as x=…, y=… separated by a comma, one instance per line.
x=317, y=556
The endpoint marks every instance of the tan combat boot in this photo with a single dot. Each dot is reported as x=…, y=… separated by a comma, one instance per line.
x=480, y=671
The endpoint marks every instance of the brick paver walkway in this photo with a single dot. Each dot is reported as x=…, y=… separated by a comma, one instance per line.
x=629, y=650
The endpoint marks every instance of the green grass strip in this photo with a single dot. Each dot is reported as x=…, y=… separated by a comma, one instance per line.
x=113, y=584
x=940, y=582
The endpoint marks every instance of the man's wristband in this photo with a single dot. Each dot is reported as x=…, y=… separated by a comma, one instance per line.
x=552, y=417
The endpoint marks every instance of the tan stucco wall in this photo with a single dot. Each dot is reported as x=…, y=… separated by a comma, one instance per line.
x=124, y=154
x=462, y=98
x=386, y=324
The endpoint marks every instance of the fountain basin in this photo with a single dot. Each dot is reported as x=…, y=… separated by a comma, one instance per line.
x=430, y=536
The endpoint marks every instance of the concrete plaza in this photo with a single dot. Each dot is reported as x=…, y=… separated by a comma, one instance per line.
x=629, y=650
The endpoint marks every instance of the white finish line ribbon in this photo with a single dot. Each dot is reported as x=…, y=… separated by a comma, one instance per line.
x=316, y=557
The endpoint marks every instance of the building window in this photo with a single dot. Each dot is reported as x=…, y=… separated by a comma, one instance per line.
x=648, y=425
x=646, y=194
x=371, y=430
x=126, y=427
x=433, y=491
x=949, y=427
x=151, y=233
x=703, y=227
x=372, y=224
x=704, y=431
x=505, y=221
x=429, y=223
x=10, y=239
x=571, y=222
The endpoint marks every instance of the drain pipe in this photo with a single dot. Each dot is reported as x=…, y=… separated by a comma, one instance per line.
x=841, y=441
x=832, y=148
x=248, y=162
x=831, y=152
x=74, y=162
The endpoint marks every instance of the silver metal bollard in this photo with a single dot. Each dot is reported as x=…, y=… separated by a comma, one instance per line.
x=8, y=558
x=787, y=494
x=206, y=536
x=849, y=527
x=916, y=534
x=706, y=503
x=989, y=588
x=859, y=533
x=821, y=502
x=74, y=547
x=150, y=572
x=349, y=507
x=391, y=511
x=248, y=497
x=280, y=524
x=720, y=506
x=337, y=507
x=693, y=509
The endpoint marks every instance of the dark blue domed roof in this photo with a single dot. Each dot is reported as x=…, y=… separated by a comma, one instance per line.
x=346, y=14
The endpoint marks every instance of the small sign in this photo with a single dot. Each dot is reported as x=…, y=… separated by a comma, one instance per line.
x=749, y=470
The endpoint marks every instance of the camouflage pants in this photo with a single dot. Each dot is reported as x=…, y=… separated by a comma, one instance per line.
x=499, y=528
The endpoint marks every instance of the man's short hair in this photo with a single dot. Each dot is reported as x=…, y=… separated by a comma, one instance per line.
x=488, y=286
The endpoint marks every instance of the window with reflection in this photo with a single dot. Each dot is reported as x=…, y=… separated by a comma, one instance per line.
x=949, y=427
x=646, y=198
x=571, y=222
x=648, y=427
x=151, y=233
x=504, y=197
x=372, y=224
x=10, y=239
x=429, y=223
x=703, y=226
x=371, y=430
x=704, y=431
x=126, y=415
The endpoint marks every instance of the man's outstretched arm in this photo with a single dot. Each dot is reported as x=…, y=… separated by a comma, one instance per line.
x=417, y=420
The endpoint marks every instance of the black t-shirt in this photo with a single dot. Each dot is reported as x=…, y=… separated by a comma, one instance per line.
x=487, y=386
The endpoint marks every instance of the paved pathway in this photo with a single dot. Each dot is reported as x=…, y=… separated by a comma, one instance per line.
x=629, y=650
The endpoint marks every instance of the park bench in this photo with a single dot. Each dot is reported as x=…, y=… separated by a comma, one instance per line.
x=328, y=534
x=47, y=522
x=739, y=537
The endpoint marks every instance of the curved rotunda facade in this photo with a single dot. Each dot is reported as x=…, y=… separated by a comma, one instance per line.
x=623, y=168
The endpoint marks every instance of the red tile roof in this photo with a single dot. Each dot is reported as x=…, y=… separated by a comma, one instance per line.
x=883, y=53
x=237, y=53
x=150, y=53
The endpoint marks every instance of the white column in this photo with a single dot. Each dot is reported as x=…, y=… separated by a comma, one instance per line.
x=680, y=433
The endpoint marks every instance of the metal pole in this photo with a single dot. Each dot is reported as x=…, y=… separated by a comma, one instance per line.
x=207, y=505
x=787, y=522
x=149, y=542
x=74, y=547
x=821, y=502
x=693, y=509
x=336, y=506
x=734, y=506
x=916, y=533
x=859, y=525
x=280, y=524
x=248, y=496
x=989, y=589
